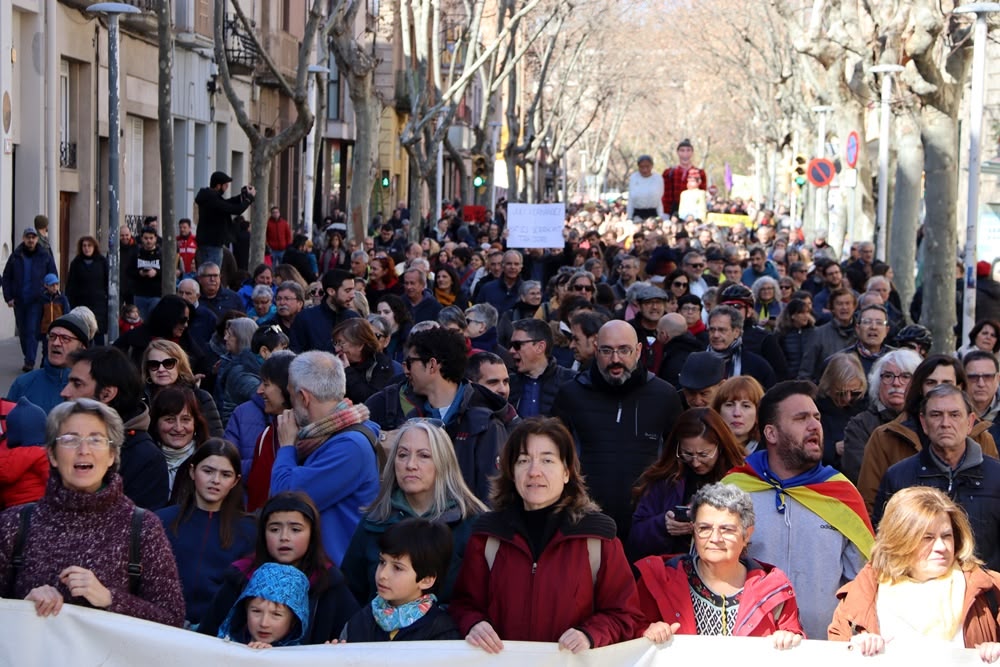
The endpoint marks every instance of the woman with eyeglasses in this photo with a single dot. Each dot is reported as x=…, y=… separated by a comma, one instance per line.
x=842, y=396
x=700, y=450
x=392, y=308
x=166, y=365
x=767, y=305
x=421, y=479
x=366, y=367
x=75, y=548
x=678, y=283
x=718, y=590
x=546, y=565
x=178, y=428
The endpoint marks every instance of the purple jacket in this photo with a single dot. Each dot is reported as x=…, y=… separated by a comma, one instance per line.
x=649, y=536
x=245, y=425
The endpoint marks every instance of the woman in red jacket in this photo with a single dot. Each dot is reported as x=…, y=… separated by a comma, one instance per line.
x=524, y=569
x=718, y=590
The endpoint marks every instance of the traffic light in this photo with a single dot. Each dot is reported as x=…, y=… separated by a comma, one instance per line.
x=478, y=170
x=800, y=170
x=385, y=178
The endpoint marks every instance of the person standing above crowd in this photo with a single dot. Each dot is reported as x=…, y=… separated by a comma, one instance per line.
x=675, y=178
x=279, y=235
x=22, y=290
x=645, y=192
x=215, y=216
x=145, y=273
x=87, y=283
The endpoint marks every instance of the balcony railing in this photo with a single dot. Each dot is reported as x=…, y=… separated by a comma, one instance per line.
x=241, y=51
x=67, y=155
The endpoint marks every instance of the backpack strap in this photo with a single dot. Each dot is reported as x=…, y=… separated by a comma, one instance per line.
x=492, y=546
x=135, y=551
x=381, y=455
x=594, y=555
x=17, y=557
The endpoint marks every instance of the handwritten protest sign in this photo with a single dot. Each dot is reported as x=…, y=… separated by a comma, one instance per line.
x=536, y=225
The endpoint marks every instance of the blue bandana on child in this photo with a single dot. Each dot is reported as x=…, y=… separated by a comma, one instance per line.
x=391, y=618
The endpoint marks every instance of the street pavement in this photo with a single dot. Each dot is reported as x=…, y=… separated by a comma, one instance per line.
x=11, y=362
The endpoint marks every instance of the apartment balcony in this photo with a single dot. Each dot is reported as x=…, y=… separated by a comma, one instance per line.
x=67, y=155
x=284, y=50
x=241, y=50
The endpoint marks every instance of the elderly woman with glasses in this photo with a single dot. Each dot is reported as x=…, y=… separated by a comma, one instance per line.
x=421, y=479
x=74, y=545
x=718, y=590
x=367, y=368
x=700, y=450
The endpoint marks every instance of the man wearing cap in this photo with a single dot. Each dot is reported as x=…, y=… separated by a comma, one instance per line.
x=700, y=378
x=312, y=328
x=215, y=215
x=23, y=282
x=725, y=340
x=620, y=415
x=73, y=331
x=675, y=178
x=652, y=303
x=987, y=293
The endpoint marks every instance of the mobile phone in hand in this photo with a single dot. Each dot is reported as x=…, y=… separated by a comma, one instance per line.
x=681, y=513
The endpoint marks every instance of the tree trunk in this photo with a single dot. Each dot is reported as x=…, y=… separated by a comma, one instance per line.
x=261, y=156
x=168, y=225
x=906, y=209
x=368, y=118
x=939, y=134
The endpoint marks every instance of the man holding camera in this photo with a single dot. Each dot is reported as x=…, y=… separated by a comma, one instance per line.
x=215, y=216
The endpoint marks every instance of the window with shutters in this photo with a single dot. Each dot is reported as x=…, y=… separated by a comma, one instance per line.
x=203, y=18
x=133, y=164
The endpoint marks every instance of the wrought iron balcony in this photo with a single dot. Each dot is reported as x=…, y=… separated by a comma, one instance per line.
x=241, y=51
x=67, y=155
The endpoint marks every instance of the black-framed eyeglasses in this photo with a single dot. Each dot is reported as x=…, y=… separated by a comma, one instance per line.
x=516, y=345
x=408, y=362
x=583, y=288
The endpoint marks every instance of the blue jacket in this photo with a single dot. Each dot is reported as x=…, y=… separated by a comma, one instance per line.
x=312, y=327
x=749, y=275
x=40, y=386
x=497, y=294
x=245, y=425
x=202, y=562
x=24, y=273
x=426, y=310
x=341, y=477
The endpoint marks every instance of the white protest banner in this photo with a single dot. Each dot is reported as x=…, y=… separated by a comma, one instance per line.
x=536, y=225
x=87, y=638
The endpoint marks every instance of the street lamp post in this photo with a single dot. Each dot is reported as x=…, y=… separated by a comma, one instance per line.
x=975, y=157
x=494, y=141
x=309, y=169
x=113, y=10
x=883, y=158
x=822, y=214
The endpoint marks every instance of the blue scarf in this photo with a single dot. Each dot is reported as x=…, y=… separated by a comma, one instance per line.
x=391, y=618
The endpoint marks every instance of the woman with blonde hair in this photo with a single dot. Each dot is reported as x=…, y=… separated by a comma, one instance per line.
x=736, y=402
x=421, y=479
x=843, y=390
x=165, y=364
x=923, y=582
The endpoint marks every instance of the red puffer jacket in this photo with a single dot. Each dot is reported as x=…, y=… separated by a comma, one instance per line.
x=24, y=472
x=527, y=600
x=767, y=604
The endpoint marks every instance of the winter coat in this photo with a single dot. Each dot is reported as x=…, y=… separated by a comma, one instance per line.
x=368, y=377
x=302, y=263
x=215, y=216
x=987, y=299
x=974, y=486
x=340, y=476
x=54, y=306
x=245, y=425
x=87, y=285
x=828, y=339
x=224, y=301
x=526, y=598
x=675, y=353
x=858, y=430
x=857, y=613
x=24, y=273
x=362, y=554
x=649, y=536
x=40, y=386
x=834, y=420
x=239, y=383
x=765, y=344
x=313, y=327
x=499, y=295
x=478, y=427
x=619, y=431
x=24, y=471
x=278, y=234
x=143, y=469
x=552, y=378
x=426, y=309
x=435, y=625
x=146, y=286
x=202, y=561
x=93, y=531
x=767, y=603
x=329, y=608
x=795, y=344
x=898, y=440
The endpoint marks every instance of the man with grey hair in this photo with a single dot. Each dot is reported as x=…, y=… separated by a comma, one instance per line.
x=289, y=301
x=503, y=292
x=214, y=296
x=620, y=415
x=359, y=264
x=954, y=464
x=422, y=304
x=326, y=448
x=203, y=319
x=725, y=340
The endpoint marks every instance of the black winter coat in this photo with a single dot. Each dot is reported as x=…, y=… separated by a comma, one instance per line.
x=313, y=327
x=987, y=299
x=675, y=353
x=365, y=379
x=619, y=431
x=762, y=342
x=552, y=378
x=435, y=625
x=215, y=216
x=87, y=285
x=143, y=469
x=975, y=486
x=794, y=345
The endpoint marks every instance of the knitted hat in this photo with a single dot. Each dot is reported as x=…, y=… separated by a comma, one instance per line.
x=80, y=322
x=25, y=424
x=218, y=178
x=284, y=584
x=983, y=269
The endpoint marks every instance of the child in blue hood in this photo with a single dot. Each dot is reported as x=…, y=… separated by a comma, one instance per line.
x=273, y=609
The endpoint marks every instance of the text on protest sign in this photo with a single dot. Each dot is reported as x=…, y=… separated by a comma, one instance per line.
x=536, y=225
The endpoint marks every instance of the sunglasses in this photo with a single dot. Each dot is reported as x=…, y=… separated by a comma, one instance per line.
x=316, y=292
x=154, y=364
x=680, y=283
x=516, y=345
x=583, y=288
x=409, y=361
